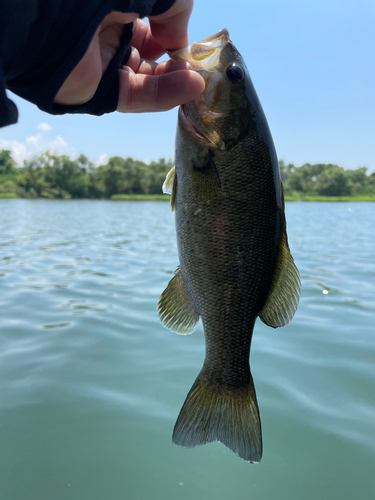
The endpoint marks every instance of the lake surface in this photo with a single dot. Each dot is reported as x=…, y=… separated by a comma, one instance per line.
x=91, y=383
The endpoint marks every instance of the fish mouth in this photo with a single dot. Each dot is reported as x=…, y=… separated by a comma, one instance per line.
x=218, y=38
x=203, y=55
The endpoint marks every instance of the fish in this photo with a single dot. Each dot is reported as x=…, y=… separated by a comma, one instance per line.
x=234, y=259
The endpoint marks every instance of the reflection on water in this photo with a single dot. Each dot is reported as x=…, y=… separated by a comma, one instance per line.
x=91, y=383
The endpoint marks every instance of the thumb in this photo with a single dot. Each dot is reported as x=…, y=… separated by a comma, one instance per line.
x=150, y=93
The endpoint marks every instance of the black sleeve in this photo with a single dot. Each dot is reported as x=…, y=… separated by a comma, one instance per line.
x=41, y=41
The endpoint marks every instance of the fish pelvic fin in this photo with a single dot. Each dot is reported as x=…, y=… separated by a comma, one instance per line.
x=170, y=186
x=175, y=308
x=282, y=301
x=213, y=413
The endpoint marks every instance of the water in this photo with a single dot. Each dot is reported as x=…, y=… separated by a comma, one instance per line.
x=91, y=383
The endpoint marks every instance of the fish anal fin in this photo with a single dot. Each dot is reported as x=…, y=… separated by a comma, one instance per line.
x=283, y=297
x=170, y=186
x=212, y=413
x=175, y=308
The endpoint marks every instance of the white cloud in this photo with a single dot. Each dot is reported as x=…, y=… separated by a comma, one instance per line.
x=59, y=142
x=102, y=160
x=38, y=143
x=44, y=126
x=34, y=139
x=19, y=150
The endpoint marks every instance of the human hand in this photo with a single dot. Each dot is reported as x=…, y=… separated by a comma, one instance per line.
x=144, y=85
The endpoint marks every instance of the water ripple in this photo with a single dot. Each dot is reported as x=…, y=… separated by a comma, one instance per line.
x=86, y=365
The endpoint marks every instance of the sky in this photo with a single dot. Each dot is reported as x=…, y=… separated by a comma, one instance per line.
x=312, y=63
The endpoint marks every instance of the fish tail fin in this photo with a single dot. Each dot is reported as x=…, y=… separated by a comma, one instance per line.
x=215, y=413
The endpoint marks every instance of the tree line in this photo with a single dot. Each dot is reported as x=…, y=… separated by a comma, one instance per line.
x=58, y=176
x=326, y=179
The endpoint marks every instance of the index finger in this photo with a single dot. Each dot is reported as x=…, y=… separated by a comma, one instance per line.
x=170, y=29
x=144, y=42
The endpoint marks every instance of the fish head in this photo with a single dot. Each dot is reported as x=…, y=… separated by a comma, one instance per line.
x=222, y=115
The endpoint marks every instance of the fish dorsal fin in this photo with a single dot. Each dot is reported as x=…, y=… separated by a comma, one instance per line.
x=175, y=308
x=282, y=300
x=170, y=186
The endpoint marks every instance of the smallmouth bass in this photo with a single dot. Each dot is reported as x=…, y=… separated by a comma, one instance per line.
x=235, y=262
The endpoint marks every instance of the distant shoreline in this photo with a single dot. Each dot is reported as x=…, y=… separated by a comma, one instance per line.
x=163, y=197
x=328, y=198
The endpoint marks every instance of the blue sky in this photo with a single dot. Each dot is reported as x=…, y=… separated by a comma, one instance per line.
x=311, y=61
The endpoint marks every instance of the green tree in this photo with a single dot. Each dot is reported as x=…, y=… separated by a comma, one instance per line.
x=304, y=179
x=333, y=182
x=7, y=164
x=124, y=176
x=56, y=176
x=157, y=172
x=357, y=180
x=285, y=171
x=110, y=178
x=30, y=179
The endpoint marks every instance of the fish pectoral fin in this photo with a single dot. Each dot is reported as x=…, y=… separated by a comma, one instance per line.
x=168, y=183
x=170, y=186
x=175, y=308
x=282, y=300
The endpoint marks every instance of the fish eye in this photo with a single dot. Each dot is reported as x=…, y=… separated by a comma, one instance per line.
x=235, y=73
